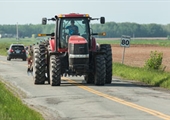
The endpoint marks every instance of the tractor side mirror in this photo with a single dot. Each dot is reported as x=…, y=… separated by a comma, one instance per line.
x=102, y=20
x=44, y=21
x=56, y=17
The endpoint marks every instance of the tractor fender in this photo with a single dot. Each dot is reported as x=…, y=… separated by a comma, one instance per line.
x=52, y=45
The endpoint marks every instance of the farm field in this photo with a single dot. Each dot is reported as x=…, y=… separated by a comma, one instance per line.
x=136, y=55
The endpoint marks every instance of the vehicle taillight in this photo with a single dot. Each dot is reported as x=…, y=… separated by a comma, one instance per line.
x=11, y=50
x=23, y=50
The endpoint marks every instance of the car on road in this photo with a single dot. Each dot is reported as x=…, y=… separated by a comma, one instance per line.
x=16, y=51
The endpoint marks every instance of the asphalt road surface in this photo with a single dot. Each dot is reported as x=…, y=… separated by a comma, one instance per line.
x=76, y=100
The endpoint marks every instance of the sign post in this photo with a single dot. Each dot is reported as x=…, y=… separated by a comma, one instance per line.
x=125, y=42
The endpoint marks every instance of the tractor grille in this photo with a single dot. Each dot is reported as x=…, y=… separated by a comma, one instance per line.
x=78, y=48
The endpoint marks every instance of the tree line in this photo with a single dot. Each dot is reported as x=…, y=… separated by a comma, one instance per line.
x=112, y=29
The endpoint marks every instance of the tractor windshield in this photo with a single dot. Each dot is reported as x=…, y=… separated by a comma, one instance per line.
x=73, y=26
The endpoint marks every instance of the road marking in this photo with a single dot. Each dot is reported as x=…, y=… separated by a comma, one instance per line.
x=144, y=109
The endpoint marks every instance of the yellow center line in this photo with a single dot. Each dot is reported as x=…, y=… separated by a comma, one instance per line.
x=144, y=109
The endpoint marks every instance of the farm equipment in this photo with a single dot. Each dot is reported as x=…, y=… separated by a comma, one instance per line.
x=78, y=54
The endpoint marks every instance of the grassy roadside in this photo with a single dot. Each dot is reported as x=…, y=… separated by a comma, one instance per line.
x=150, y=77
x=12, y=108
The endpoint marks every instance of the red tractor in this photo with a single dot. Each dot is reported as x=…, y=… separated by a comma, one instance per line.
x=73, y=53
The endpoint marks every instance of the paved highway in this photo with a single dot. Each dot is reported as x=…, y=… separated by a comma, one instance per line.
x=76, y=100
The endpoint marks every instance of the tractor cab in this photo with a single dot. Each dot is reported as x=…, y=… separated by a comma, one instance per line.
x=69, y=27
x=74, y=25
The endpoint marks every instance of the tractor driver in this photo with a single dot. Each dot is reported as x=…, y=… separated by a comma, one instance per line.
x=73, y=29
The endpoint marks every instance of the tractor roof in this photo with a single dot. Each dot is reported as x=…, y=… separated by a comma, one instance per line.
x=73, y=15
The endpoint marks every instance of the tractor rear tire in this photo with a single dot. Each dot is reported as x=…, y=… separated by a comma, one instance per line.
x=55, y=70
x=100, y=70
x=39, y=64
x=48, y=67
x=106, y=48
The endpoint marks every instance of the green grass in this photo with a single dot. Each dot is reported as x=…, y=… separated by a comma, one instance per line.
x=12, y=108
x=151, y=77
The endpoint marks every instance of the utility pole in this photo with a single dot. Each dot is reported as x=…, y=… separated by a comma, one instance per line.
x=17, y=31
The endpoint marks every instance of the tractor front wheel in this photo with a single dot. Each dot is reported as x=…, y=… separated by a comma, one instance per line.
x=106, y=48
x=55, y=70
x=100, y=70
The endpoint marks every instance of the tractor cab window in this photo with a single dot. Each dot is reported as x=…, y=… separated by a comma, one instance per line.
x=73, y=26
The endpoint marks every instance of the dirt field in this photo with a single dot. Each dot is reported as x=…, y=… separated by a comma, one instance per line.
x=136, y=55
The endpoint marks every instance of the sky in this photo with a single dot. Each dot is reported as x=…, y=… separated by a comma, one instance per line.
x=137, y=11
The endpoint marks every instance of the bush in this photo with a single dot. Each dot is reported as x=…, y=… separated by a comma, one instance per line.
x=155, y=61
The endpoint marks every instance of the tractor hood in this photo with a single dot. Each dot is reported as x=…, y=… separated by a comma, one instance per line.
x=76, y=39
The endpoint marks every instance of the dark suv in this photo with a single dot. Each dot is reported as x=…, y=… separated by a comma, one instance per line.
x=16, y=51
